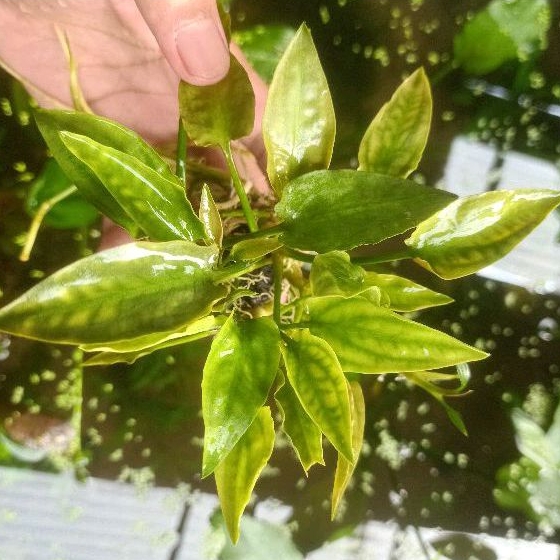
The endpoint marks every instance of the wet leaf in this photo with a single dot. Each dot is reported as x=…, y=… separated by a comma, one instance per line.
x=216, y=114
x=156, y=204
x=371, y=339
x=327, y=210
x=237, y=377
x=333, y=274
x=263, y=45
x=237, y=474
x=395, y=140
x=318, y=381
x=405, y=295
x=107, y=133
x=210, y=217
x=477, y=230
x=72, y=212
x=345, y=468
x=252, y=249
x=304, y=434
x=299, y=122
x=130, y=291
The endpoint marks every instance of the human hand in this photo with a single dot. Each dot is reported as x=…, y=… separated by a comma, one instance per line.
x=130, y=55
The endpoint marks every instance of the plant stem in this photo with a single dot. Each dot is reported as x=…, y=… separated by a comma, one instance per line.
x=44, y=209
x=278, y=266
x=299, y=255
x=387, y=257
x=181, y=157
x=238, y=185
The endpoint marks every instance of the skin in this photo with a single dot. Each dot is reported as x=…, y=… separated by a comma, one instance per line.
x=130, y=56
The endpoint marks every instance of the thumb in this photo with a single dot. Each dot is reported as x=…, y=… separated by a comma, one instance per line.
x=191, y=37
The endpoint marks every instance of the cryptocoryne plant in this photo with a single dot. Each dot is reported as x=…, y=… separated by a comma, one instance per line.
x=295, y=317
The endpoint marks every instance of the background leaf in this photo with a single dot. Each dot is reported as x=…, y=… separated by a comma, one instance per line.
x=477, y=230
x=72, y=212
x=299, y=121
x=210, y=217
x=216, y=114
x=129, y=291
x=237, y=474
x=333, y=274
x=395, y=140
x=238, y=374
x=318, y=381
x=371, y=339
x=327, y=210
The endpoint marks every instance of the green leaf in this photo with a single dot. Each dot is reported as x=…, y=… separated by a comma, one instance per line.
x=72, y=212
x=263, y=45
x=345, y=468
x=144, y=345
x=252, y=249
x=237, y=377
x=395, y=140
x=156, y=204
x=477, y=230
x=253, y=533
x=304, y=434
x=327, y=210
x=237, y=474
x=299, y=122
x=122, y=293
x=108, y=133
x=333, y=274
x=216, y=114
x=318, y=381
x=503, y=31
x=371, y=339
x=405, y=295
x=210, y=217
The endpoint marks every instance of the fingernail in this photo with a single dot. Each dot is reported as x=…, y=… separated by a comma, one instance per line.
x=203, y=49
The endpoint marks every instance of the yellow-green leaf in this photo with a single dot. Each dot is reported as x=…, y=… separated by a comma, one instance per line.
x=318, y=381
x=130, y=291
x=345, y=468
x=252, y=249
x=304, y=434
x=237, y=474
x=371, y=339
x=210, y=217
x=299, y=122
x=395, y=140
x=332, y=273
x=405, y=295
x=475, y=231
x=237, y=377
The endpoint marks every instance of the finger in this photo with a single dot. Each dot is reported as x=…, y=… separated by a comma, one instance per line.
x=191, y=37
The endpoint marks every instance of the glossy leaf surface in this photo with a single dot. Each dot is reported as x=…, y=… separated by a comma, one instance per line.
x=216, y=114
x=345, y=468
x=318, y=381
x=72, y=212
x=304, y=434
x=395, y=140
x=405, y=295
x=130, y=291
x=327, y=210
x=210, y=217
x=371, y=339
x=237, y=377
x=237, y=474
x=156, y=204
x=105, y=132
x=252, y=249
x=299, y=123
x=477, y=230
